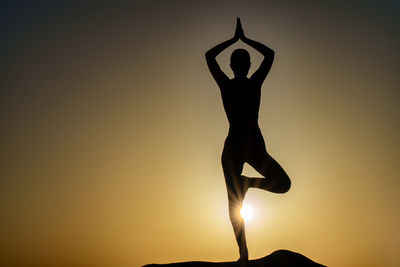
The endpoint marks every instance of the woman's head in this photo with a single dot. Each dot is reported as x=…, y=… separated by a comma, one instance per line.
x=240, y=63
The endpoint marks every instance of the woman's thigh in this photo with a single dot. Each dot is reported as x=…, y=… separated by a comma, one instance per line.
x=232, y=164
x=276, y=178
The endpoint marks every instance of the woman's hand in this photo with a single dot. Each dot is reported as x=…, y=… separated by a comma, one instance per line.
x=239, y=34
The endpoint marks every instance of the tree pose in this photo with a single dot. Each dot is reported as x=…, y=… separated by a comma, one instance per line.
x=244, y=143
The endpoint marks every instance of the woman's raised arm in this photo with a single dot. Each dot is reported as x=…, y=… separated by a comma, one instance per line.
x=219, y=76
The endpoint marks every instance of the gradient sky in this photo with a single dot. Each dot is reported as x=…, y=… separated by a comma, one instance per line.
x=112, y=131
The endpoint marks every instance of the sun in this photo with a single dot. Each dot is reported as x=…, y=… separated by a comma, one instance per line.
x=246, y=212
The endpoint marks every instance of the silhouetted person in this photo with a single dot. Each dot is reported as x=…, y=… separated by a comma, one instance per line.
x=244, y=143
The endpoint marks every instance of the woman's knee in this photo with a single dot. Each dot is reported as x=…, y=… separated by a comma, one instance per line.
x=283, y=185
x=234, y=208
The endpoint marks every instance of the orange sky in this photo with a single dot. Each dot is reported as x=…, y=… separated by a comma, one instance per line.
x=113, y=130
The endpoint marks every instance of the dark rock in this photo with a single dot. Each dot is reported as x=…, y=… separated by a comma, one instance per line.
x=279, y=258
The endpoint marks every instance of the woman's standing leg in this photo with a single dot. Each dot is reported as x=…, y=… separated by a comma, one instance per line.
x=232, y=166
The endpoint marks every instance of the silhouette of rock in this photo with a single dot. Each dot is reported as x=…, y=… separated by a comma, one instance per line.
x=279, y=258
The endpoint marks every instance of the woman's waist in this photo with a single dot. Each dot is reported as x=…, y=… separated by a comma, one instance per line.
x=244, y=134
x=243, y=124
x=243, y=129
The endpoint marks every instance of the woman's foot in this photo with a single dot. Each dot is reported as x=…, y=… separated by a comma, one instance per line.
x=245, y=184
x=244, y=257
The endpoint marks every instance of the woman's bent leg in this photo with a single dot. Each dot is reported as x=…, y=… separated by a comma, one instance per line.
x=276, y=180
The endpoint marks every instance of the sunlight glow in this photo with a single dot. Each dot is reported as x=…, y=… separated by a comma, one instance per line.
x=247, y=212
